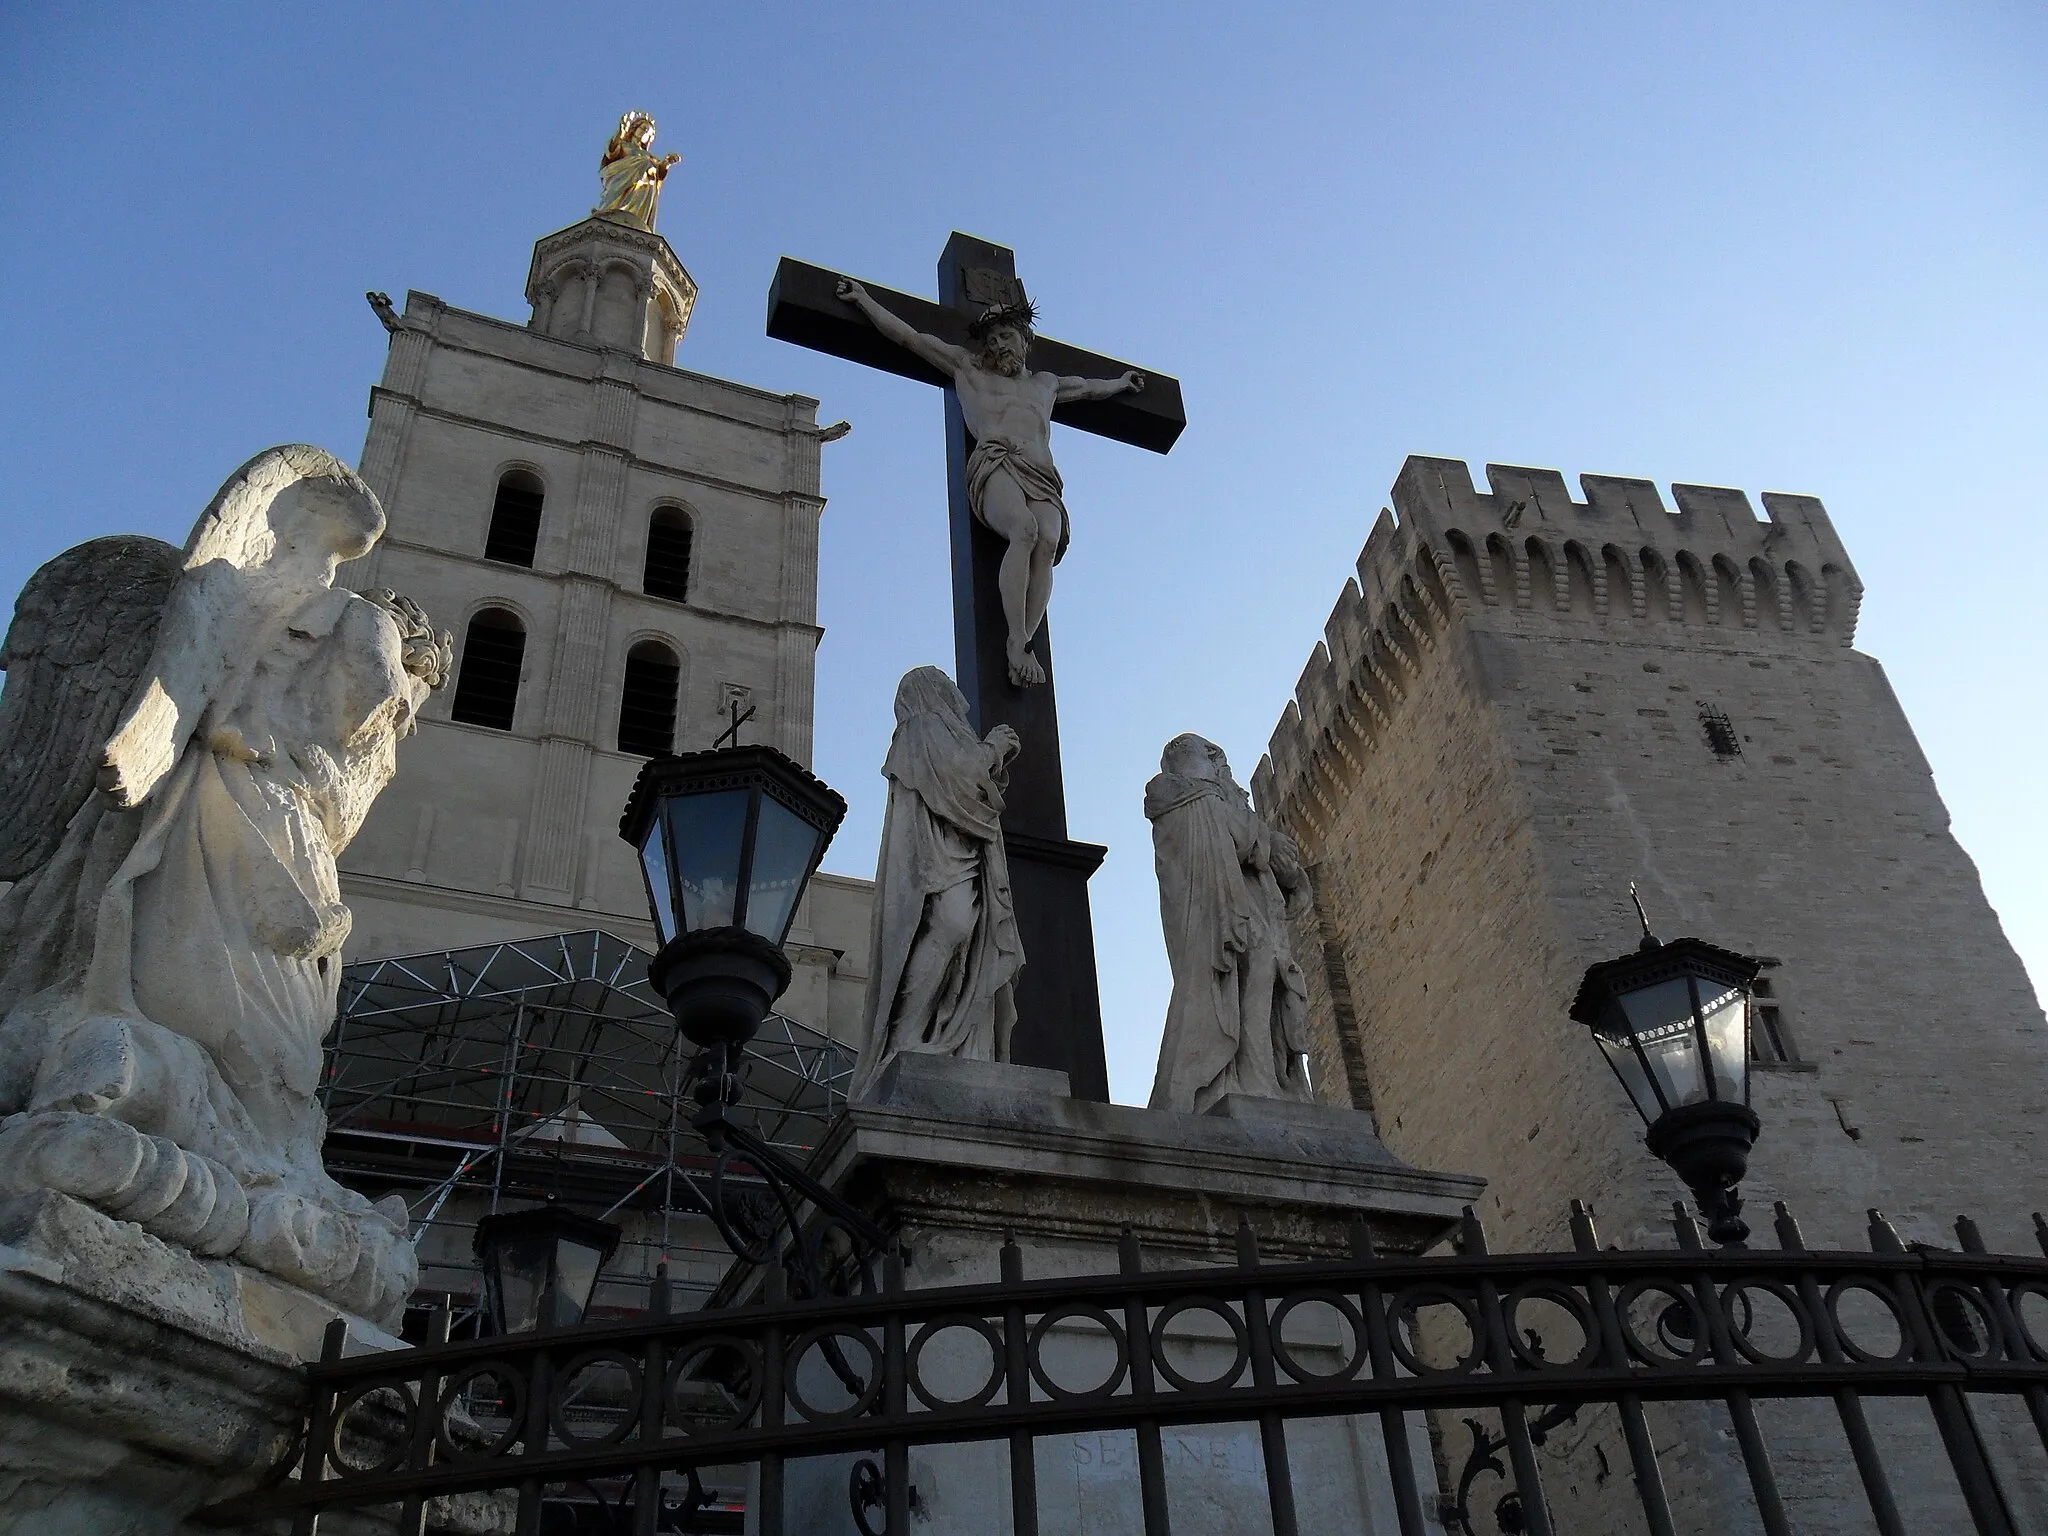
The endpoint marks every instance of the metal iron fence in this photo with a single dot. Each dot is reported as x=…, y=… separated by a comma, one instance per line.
x=1528, y=1337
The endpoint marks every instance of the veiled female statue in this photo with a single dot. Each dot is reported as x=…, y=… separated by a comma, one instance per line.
x=632, y=173
x=1228, y=884
x=186, y=743
x=945, y=954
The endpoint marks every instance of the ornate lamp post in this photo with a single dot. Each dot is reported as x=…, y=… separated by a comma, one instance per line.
x=728, y=839
x=1673, y=1021
x=540, y=1266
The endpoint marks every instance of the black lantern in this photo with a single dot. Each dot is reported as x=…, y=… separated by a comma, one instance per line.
x=541, y=1264
x=1673, y=1022
x=727, y=839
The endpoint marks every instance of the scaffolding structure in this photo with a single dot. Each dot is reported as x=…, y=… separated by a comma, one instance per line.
x=542, y=1069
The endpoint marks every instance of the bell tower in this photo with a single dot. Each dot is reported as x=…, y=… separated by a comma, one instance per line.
x=625, y=553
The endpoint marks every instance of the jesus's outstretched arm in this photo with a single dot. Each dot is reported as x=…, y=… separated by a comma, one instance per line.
x=948, y=359
x=1100, y=389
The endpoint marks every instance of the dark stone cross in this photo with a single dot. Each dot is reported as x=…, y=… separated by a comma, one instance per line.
x=1059, y=1006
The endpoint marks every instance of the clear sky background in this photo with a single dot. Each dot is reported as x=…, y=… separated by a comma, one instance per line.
x=1777, y=246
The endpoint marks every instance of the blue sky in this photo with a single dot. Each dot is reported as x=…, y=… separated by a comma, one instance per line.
x=1785, y=246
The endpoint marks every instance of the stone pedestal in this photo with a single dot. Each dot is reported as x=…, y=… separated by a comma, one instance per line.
x=955, y=1155
x=138, y=1383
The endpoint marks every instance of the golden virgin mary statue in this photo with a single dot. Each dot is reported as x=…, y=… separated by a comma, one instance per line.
x=632, y=173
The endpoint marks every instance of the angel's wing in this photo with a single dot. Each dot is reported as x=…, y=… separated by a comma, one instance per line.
x=82, y=634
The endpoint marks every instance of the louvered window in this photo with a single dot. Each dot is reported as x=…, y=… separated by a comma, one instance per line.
x=515, y=519
x=487, y=688
x=668, y=555
x=647, y=704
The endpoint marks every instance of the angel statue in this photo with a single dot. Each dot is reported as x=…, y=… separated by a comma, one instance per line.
x=187, y=740
x=1228, y=883
x=944, y=953
x=632, y=174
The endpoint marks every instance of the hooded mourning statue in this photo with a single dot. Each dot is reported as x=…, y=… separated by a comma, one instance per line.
x=945, y=952
x=187, y=740
x=1228, y=883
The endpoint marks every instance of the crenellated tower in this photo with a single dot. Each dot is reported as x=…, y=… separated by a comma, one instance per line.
x=1523, y=703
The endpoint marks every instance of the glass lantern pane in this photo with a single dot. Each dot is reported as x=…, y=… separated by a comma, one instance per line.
x=575, y=1279
x=705, y=837
x=1727, y=1015
x=522, y=1272
x=1621, y=1055
x=784, y=845
x=654, y=868
x=1661, y=1016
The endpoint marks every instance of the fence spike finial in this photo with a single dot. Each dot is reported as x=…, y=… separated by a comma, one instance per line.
x=1471, y=1235
x=1247, y=1244
x=2041, y=1231
x=1362, y=1247
x=1788, y=1227
x=1130, y=1257
x=1012, y=1259
x=1684, y=1227
x=1968, y=1236
x=1884, y=1237
x=1585, y=1237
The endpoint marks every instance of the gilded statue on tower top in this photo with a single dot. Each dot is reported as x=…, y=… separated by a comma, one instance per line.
x=631, y=173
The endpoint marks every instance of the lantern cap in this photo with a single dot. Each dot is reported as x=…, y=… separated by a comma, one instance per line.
x=547, y=1221
x=1649, y=965
x=775, y=773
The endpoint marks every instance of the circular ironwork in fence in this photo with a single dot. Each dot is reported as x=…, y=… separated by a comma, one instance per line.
x=455, y=1398
x=1402, y=1315
x=1753, y=1336
x=374, y=1396
x=825, y=1341
x=1283, y=1352
x=1963, y=1320
x=1216, y=1308
x=1110, y=1326
x=1851, y=1332
x=593, y=1364
x=971, y=1323
x=2029, y=1304
x=1528, y=1343
x=1687, y=1346
x=728, y=1362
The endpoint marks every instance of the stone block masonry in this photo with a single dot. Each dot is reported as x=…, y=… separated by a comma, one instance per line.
x=1523, y=703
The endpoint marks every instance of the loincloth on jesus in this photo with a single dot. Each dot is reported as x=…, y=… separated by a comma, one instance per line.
x=1037, y=482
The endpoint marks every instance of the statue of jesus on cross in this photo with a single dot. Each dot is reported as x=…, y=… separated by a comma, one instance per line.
x=1012, y=485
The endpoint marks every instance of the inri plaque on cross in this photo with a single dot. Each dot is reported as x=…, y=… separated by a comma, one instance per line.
x=1059, y=1009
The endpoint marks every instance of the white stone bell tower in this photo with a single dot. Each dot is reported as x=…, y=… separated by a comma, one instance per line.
x=626, y=554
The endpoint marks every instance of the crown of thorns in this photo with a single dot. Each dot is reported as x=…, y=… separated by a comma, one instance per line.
x=1023, y=315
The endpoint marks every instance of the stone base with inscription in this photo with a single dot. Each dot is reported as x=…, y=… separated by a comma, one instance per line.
x=954, y=1155
x=138, y=1383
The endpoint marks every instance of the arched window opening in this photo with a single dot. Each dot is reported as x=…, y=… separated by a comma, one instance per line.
x=668, y=555
x=647, y=705
x=487, y=688
x=515, y=519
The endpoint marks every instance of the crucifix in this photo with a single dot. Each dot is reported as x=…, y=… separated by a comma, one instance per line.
x=1008, y=523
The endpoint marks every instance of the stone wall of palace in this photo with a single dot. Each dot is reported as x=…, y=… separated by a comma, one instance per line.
x=1523, y=704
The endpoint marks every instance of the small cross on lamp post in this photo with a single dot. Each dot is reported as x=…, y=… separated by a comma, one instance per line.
x=1673, y=1021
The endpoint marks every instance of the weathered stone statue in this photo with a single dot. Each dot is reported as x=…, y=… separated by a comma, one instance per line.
x=1227, y=885
x=1011, y=482
x=186, y=742
x=945, y=953
x=631, y=173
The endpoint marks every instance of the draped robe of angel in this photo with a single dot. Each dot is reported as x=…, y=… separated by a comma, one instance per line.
x=1227, y=885
x=945, y=952
x=168, y=971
